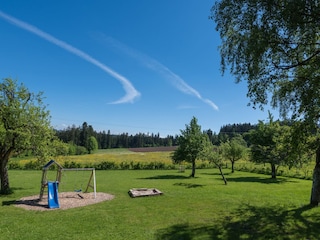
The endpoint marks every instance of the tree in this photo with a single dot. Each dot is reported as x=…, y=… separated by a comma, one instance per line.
x=214, y=155
x=191, y=145
x=274, y=46
x=269, y=145
x=234, y=150
x=92, y=144
x=24, y=125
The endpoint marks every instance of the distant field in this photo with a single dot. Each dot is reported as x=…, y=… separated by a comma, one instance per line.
x=158, y=158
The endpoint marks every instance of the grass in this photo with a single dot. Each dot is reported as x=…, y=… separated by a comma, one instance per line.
x=251, y=206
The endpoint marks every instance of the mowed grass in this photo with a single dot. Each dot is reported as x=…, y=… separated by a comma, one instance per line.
x=251, y=206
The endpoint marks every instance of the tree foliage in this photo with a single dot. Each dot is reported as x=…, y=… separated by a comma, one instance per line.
x=191, y=145
x=270, y=145
x=92, y=144
x=234, y=150
x=274, y=46
x=24, y=125
x=214, y=155
x=79, y=135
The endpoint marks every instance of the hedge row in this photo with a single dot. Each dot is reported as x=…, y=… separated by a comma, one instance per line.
x=157, y=165
x=285, y=172
x=109, y=165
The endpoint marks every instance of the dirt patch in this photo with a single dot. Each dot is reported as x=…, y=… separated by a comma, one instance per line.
x=66, y=200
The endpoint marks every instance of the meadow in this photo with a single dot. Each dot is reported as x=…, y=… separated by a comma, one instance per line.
x=251, y=206
x=124, y=159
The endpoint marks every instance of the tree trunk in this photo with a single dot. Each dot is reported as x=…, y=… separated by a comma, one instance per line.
x=315, y=191
x=193, y=168
x=224, y=179
x=273, y=171
x=232, y=166
x=4, y=177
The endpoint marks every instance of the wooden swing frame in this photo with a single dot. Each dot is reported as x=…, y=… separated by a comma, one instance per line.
x=92, y=179
x=60, y=169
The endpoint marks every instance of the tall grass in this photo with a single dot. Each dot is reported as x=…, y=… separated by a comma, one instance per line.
x=251, y=206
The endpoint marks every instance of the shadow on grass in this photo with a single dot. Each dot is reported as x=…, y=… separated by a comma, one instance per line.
x=188, y=185
x=251, y=222
x=168, y=177
x=267, y=180
x=217, y=174
x=11, y=191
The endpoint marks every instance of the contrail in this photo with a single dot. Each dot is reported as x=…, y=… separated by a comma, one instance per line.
x=156, y=66
x=131, y=92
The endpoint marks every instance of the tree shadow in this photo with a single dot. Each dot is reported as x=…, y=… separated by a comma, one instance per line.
x=216, y=174
x=11, y=191
x=188, y=185
x=167, y=177
x=187, y=232
x=31, y=202
x=252, y=222
x=259, y=180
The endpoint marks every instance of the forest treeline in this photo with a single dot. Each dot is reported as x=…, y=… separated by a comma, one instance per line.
x=80, y=136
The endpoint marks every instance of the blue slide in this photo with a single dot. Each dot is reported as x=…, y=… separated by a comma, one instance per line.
x=53, y=199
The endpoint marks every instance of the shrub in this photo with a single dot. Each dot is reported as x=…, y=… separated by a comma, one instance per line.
x=14, y=165
x=32, y=165
x=106, y=166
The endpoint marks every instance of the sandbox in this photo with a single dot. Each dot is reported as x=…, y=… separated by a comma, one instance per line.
x=144, y=192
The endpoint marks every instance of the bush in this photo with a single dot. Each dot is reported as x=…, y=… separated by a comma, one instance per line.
x=14, y=166
x=106, y=166
x=32, y=165
x=72, y=164
x=80, y=150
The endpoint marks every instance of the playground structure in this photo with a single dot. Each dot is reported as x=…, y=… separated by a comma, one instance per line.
x=53, y=186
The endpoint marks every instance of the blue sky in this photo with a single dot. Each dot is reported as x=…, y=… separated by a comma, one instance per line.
x=125, y=66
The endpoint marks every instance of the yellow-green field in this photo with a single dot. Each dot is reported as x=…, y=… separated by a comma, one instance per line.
x=125, y=159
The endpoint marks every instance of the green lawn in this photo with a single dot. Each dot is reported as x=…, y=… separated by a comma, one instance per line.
x=251, y=206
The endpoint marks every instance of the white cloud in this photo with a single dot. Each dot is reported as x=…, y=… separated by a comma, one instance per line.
x=131, y=92
x=156, y=66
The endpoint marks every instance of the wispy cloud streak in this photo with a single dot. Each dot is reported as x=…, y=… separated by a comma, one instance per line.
x=131, y=92
x=156, y=66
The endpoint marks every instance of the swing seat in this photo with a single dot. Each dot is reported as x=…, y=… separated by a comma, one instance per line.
x=78, y=190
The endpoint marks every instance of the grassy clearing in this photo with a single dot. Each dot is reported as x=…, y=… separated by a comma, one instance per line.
x=251, y=206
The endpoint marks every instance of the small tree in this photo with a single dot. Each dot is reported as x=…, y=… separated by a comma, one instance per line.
x=92, y=144
x=24, y=125
x=214, y=155
x=269, y=145
x=234, y=150
x=191, y=145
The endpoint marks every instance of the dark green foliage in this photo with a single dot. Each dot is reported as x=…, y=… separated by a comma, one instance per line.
x=75, y=135
x=72, y=164
x=270, y=145
x=232, y=130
